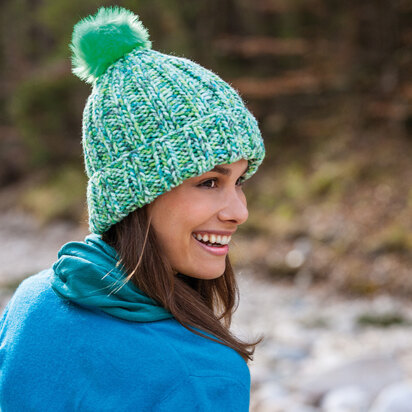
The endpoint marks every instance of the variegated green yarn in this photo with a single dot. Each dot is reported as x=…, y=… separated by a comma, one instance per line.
x=153, y=120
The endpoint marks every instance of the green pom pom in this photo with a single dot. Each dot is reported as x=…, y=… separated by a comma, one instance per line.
x=99, y=40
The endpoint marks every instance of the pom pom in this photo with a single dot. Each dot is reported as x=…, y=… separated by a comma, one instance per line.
x=99, y=40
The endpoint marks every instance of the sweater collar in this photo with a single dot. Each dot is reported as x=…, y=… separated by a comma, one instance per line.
x=86, y=274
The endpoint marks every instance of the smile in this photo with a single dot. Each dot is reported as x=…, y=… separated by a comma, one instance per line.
x=213, y=248
x=210, y=238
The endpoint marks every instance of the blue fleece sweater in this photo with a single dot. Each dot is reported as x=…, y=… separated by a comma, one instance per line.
x=59, y=355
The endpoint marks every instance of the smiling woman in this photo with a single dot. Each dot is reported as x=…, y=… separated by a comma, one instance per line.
x=193, y=208
x=137, y=316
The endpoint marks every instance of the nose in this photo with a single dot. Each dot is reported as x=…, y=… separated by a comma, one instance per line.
x=235, y=208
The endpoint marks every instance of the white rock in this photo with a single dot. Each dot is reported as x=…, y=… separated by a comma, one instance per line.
x=345, y=399
x=283, y=405
x=369, y=374
x=394, y=398
x=27, y=247
x=270, y=392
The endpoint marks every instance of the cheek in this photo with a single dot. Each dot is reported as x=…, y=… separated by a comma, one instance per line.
x=199, y=213
x=177, y=215
x=168, y=228
x=193, y=213
x=171, y=227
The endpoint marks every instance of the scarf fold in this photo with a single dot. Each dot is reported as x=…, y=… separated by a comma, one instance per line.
x=86, y=273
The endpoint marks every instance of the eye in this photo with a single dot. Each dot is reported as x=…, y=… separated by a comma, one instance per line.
x=208, y=183
x=211, y=183
x=241, y=181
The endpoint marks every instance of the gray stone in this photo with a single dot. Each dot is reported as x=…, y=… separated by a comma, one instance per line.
x=28, y=247
x=369, y=374
x=396, y=397
x=345, y=399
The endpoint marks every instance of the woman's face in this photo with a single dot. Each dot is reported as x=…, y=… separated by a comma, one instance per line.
x=211, y=204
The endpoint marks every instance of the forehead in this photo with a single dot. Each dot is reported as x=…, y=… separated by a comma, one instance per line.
x=238, y=168
x=226, y=169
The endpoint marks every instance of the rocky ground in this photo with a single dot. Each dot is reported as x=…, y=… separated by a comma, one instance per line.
x=321, y=351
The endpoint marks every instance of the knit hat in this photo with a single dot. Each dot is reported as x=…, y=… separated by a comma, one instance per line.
x=152, y=120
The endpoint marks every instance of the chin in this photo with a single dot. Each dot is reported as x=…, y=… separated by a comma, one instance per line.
x=206, y=274
x=209, y=276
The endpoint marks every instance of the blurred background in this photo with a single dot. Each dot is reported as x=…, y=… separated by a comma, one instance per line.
x=325, y=259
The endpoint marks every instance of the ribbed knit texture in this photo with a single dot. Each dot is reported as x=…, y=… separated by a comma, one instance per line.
x=154, y=120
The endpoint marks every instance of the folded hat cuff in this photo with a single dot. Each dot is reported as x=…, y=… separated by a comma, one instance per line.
x=137, y=177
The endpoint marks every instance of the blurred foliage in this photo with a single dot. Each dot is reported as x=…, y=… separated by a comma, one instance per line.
x=393, y=237
x=45, y=126
x=58, y=196
x=329, y=82
x=382, y=320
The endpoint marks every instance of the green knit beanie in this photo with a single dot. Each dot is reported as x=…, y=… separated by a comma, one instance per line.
x=152, y=120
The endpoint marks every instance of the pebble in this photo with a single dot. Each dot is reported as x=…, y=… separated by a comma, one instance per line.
x=315, y=355
x=349, y=398
x=394, y=398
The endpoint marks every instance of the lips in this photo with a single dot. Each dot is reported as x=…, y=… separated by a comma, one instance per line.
x=215, y=232
x=214, y=250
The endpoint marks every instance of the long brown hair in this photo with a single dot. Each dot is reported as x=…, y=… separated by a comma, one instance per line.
x=206, y=305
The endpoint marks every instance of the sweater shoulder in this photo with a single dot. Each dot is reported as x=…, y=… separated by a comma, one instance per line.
x=56, y=352
x=89, y=357
x=36, y=310
x=30, y=297
x=204, y=357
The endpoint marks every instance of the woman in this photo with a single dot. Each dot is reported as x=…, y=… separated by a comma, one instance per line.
x=137, y=316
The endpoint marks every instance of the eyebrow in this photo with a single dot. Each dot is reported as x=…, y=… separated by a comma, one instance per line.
x=225, y=171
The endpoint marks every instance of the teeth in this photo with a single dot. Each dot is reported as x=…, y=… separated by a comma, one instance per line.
x=223, y=240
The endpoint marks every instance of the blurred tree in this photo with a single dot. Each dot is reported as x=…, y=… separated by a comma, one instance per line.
x=329, y=82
